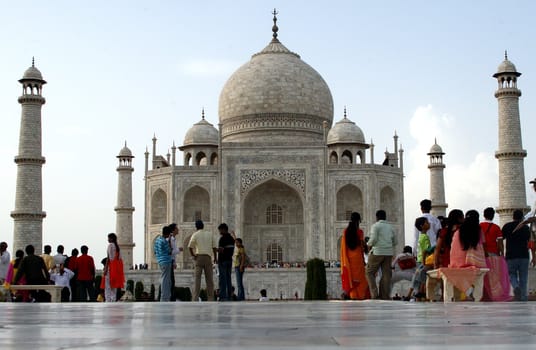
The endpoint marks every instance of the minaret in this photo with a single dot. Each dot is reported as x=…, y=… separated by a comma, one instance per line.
x=124, y=208
x=28, y=214
x=510, y=154
x=437, y=182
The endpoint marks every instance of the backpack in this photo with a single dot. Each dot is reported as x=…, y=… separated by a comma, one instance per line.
x=407, y=263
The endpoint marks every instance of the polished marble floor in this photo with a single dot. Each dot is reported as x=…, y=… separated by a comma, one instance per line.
x=274, y=325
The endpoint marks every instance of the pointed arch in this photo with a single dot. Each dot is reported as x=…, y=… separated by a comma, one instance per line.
x=284, y=206
x=349, y=199
x=333, y=158
x=388, y=201
x=188, y=159
x=214, y=159
x=201, y=159
x=196, y=204
x=346, y=157
x=159, y=207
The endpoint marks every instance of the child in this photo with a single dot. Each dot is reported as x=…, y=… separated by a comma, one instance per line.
x=424, y=247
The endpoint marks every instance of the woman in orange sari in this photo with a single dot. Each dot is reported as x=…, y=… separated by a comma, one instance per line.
x=353, y=277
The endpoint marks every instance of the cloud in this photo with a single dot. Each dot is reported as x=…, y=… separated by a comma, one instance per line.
x=470, y=180
x=207, y=68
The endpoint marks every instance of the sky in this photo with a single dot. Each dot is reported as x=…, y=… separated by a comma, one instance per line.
x=127, y=70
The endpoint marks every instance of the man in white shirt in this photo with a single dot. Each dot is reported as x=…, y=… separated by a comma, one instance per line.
x=60, y=257
x=5, y=259
x=62, y=277
x=174, y=251
x=203, y=250
x=435, y=225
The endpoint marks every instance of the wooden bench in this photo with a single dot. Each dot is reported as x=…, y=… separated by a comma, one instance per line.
x=55, y=291
x=448, y=286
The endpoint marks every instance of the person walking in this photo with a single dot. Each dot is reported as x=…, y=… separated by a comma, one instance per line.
x=202, y=246
x=225, y=262
x=162, y=251
x=381, y=244
x=517, y=254
x=173, y=232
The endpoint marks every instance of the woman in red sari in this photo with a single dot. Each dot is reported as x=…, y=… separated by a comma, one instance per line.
x=353, y=277
x=114, y=276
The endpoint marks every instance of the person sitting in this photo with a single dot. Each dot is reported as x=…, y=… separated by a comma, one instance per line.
x=264, y=296
x=466, y=248
x=404, y=265
x=62, y=277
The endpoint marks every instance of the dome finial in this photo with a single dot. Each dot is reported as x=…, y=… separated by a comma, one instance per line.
x=344, y=112
x=203, y=113
x=33, y=61
x=275, y=28
x=435, y=140
x=505, y=55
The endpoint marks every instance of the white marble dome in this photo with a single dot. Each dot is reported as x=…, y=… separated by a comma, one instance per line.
x=125, y=152
x=436, y=149
x=506, y=66
x=201, y=133
x=32, y=73
x=278, y=91
x=345, y=131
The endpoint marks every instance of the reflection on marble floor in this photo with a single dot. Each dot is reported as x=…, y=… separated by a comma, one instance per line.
x=276, y=325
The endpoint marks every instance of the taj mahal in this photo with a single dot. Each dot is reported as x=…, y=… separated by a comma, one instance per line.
x=279, y=168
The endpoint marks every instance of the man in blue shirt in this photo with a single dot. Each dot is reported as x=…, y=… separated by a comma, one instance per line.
x=162, y=250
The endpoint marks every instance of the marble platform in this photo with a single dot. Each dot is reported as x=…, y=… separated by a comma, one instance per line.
x=269, y=325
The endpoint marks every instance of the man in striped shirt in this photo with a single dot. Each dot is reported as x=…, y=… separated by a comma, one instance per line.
x=162, y=250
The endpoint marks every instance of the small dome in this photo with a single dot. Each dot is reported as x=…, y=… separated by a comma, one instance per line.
x=436, y=149
x=345, y=131
x=506, y=67
x=32, y=73
x=201, y=133
x=125, y=152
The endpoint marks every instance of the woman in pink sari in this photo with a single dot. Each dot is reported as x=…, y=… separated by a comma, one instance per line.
x=496, y=281
x=466, y=249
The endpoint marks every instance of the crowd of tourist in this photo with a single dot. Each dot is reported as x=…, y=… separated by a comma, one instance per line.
x=458, y=246
x=75, y=273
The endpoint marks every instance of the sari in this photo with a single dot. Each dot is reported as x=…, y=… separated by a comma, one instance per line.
x=353, y=276
x=466, y=258
x=22, y=295
x=116, y=272
x=497, y=280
